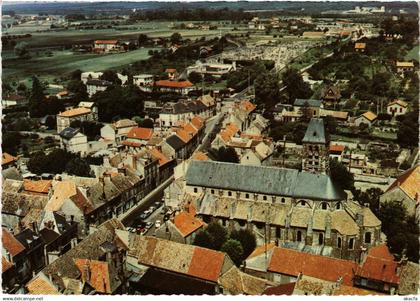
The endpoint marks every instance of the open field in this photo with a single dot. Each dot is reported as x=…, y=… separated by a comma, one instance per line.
x=413, y=54
x=65, y=61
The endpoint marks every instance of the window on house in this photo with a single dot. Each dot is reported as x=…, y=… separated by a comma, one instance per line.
x=302, y=203
x=299, y=236
x=195, y=190
x=368, y=237
x=324, y=206
x=351, y=243
x=320, y=239
x=278, y=232
x=339, y=242
x=247, y=195
x=229, y=193
x=212, y=191
x=400, y=110
x=338, y=206
x=283, y=200
x=224, y=222
x=264, y=197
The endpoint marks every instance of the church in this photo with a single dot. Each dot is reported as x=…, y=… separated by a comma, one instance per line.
x=303, y=210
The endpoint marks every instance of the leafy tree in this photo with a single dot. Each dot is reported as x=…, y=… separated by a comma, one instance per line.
x=176, y=38
x=21, y=89
x=78, y=167
x=142, y=39
x=50, y=122
x=76, y=74
x=11, y=142
x=195, y=77
x=331, y=124
x=130, y=103
x=51, y=106
x=6, y=88
x=203, y=239
x=234, y=249
x=77, y=87
x=111, y=76
x=224, y=154
x=91, y=129
x=36, y=98
x=247, y=240
x=55, y=162
x=341, y=176
x=370, y=196
x=296, y=87
x=218, y=235
x=267, y=88
x=21, y=50
x=401, y=230
x=147, y=123
x=408, y=130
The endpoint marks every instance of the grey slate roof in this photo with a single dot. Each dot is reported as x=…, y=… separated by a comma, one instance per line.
x=175, y=142
x=98, y=82
x=313, y=103
x=264, y=180
x=315, y=133
x=68, y=132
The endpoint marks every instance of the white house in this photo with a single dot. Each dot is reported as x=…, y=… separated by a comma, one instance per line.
x=91, y=106
x=117, y=131
x=65, y=118
x=397, y=107
x=85, y=76
x=143, y=80
x=367, y=118
x=107, y=46
x=74, y=141
x=96, y=85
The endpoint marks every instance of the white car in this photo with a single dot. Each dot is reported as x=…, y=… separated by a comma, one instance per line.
x=158, y=224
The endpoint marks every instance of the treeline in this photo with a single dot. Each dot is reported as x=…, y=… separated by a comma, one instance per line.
x=192, y=15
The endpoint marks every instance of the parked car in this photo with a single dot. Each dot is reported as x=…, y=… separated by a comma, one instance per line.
x=143, y=232
x=131, y=229
x=152, y=208
x=158, y=204
x=158, y=224
x=149, y=225
x=144, y=215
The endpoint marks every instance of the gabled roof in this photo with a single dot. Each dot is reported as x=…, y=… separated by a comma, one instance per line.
x=379, y=265
x=140, y=133
x=315, y=133
x=291, y=262
x=197, y=122
x=5, y=265
x=10, y=243
x=174, y=84
x=369, y=116
x=405, y=64
x=281, y=289
x=98, y=83
x=110, y=42
x=158, y=155
x=175, y=142
x=337, y=148
x=40, y=186
x=99, y=274
x=262, y=179
x=200, y=156
x=69, y=133
x=408, y=182
x=7, y=158
x=75, y=112
x=360, y=45
x=41, y=285
x=62, y=191
x=313, y=103
x=187, y=223
x=398, y=102
x=123, y=123
x=170, y=70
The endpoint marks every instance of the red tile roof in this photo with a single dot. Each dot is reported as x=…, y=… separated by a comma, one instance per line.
x=6, y=158
x=140, y=133
x=200, y=156
x=408, y=182
x=41, y=286
x=206, y=264
x=112, y=42
x=291, y=262
x=174, y=84
x=186, y=223
x=11, y=244
x=41, y=186
x=379, y=265
x=129, y=143
x=197, y=122
x=5, y=265
x=158, y=155
x=282, y=289
x=336, y=148
x=170, y=70
x=99, y=274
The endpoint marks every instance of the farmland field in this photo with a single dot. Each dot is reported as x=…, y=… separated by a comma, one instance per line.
x=65, y=61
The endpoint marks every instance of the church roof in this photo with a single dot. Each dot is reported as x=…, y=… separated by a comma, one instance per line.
x=315, y=133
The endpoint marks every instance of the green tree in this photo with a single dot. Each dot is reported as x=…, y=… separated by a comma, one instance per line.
x=340, y=175
x=370, y=196
x=224, y=154
x=76, y=74
x=195, y=77
x=78, y=167
x=408, y=130
x=111, y=76
x=267, y=89
x=21, y=50
x=147, y=123
x=11, y=142
x=247, y=240
x=296, y=87
x=234, y=249
x=203, y=239
x=36, y=98
x=21, y=89
x=176, y=38
x=142, y=39
x=77, y=87
x=218, y=235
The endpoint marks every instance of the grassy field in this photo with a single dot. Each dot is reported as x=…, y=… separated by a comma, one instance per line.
x=65, y=61
x=413, y=54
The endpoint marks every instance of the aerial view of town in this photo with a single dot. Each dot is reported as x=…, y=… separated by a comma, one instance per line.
x=210, y=148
